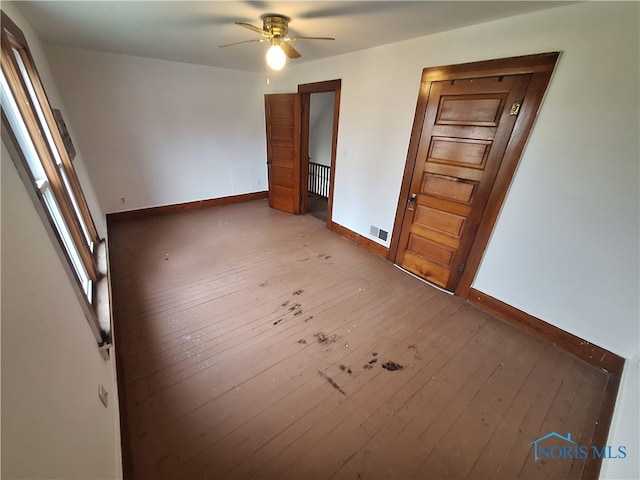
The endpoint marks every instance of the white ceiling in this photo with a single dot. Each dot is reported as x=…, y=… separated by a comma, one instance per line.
x=191, y=31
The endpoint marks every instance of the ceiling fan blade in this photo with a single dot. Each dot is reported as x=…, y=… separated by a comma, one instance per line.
x=255, y=29
x=293, y=39
x=240, y=43
x=289, y=50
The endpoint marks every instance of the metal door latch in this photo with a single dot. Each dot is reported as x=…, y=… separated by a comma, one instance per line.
x=411, y=202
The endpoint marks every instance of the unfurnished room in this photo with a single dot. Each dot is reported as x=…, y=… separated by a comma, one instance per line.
x=320, y=240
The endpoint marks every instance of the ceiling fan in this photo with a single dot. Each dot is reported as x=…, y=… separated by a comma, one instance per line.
x=274, y=30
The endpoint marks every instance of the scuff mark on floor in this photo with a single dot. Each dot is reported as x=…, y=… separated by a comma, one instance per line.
x=416, y=355
x=332, y=382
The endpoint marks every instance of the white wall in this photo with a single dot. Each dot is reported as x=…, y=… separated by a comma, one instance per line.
x=565, y=247
x=156, y=132
x=321, y=127
x=53, y=424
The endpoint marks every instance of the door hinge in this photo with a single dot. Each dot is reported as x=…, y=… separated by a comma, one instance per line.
x=461, y=267
x=515, y=108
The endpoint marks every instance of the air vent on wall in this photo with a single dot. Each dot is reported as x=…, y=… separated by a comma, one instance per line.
x=378, y=233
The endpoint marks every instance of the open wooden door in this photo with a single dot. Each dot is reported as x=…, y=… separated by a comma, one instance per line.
x=282, y=112
x=471, y=124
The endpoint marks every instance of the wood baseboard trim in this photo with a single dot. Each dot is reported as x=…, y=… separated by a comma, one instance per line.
x=183, y=207
x=586, y=351
x=358, y=239
x=603, y=425
x=590, y=353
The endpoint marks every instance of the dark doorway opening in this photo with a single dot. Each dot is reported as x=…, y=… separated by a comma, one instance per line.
x=320, y=104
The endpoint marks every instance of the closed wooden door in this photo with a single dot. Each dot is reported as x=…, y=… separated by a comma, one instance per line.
x=465, y=132
x=282, y=112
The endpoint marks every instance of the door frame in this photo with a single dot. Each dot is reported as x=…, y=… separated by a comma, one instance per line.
x=540, y=66
x=305, y=91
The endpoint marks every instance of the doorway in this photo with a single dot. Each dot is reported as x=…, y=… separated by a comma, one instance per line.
x=471, y=124
x=321, y=107
x=292, y=178
x=320, y=104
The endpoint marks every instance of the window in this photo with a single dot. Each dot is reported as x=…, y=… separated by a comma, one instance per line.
x=29, y=120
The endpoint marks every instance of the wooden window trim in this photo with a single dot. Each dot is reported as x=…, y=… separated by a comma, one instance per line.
x=73, y=214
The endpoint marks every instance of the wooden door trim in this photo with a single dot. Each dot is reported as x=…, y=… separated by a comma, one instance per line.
x=305, y=107
x=540, y=67
x=306, y=90
x=319, y=87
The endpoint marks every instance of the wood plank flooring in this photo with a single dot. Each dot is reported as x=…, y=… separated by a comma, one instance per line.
x=251, y=344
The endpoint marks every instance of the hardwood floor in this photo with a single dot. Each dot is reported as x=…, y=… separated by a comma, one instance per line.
x=252, y=344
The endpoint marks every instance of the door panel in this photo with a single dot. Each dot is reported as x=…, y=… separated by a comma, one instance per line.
x=441, y=186
x=458, y=151
x=282, y=115
x=465, y=131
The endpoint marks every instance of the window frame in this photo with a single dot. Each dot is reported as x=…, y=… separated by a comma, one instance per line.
x=71, y=218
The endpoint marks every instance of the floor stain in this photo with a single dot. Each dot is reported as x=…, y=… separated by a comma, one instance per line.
x=416, y=354
x=310, y=317
x=298, y=292
x=277, y=321
x=302, y=341
x=369, y=364
x=392, y=366
x=263, y=284
x=325, y=339
x=284, y=304
x=344, y=368
x=332, y=382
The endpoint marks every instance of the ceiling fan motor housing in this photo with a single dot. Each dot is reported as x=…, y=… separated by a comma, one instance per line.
x=277, y=25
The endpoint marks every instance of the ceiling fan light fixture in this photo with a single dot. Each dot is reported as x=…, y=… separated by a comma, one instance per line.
x=276, y=58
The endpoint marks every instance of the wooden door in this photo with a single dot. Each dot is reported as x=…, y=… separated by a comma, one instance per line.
x=463, y=137
x=282, y=112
